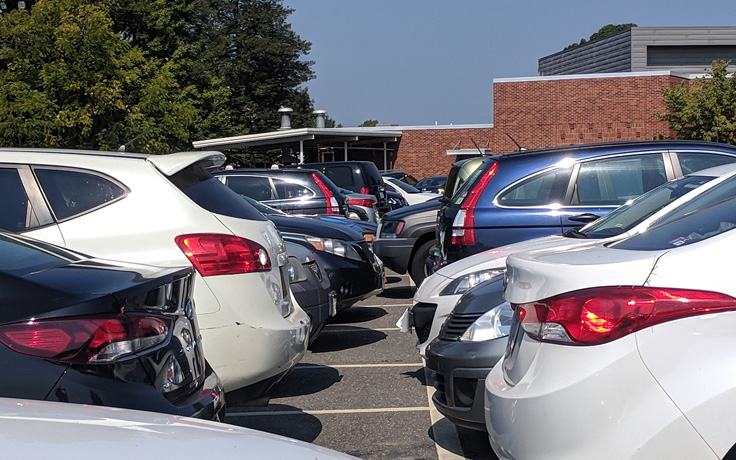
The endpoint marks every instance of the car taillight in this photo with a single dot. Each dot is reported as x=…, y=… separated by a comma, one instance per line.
x=84, y=339
x=463, y=226
x=332, y=206
x=217, y=254
x=600, y=315
x=362, y=202
x=365, y=191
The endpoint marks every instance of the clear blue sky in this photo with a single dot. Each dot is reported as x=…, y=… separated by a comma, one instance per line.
x=417, y=62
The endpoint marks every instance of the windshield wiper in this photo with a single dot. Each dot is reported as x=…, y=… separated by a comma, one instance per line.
x=575, y=233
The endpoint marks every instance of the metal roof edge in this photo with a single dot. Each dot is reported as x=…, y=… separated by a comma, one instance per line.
x=652, y=73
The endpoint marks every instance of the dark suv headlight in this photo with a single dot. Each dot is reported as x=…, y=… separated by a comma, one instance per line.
x=391, y=228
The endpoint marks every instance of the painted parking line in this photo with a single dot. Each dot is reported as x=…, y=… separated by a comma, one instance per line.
x=444, y=434
x=359, y=366
x=384, y=305
x=329, y=328
x=329, y=412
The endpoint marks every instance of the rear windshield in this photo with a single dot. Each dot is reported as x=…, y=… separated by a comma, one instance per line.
x=21, y=257
x=404, y=186
x=213, y=195
x=636, y=211
x=706, y=215
x=463, y=191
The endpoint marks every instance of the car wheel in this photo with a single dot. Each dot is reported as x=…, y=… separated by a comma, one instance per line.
x=417, y=265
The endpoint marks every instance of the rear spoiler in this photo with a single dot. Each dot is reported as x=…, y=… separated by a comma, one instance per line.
x=174, y=162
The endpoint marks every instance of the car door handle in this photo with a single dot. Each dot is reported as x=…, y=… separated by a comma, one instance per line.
x=583, y=218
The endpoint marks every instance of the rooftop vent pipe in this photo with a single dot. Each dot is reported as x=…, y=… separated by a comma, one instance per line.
x=285, y=117
x=320, y=115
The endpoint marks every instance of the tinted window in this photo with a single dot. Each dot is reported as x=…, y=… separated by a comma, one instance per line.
x=286, y=190
x=543, y=189
x=691, y=162
x=695, y=226
x=613, y=181
x=71, y=193
x=20, y=256
x=213, y=195
x=258, y=188
x=463, y=188
x=14, y=210
x=341, y=175
x=633, y=213
x=403, y=186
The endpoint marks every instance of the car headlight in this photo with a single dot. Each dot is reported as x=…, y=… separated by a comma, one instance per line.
x=465, y=282
x=297, y=272
x=493, y=324
x=338, y=247
x=391, y=228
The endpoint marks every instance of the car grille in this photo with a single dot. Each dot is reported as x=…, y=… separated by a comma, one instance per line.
x=422, y=316
x=456, y=325
x=439, y=385
x=315, y=269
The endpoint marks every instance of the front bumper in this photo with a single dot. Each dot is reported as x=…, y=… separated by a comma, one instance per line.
x=394, y=252
x=459, y=370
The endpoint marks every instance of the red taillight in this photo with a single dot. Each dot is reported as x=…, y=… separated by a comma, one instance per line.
x=216, y=254
x=365, y=190
x=85, y=339
x=331, y=206
x=362, y=202
x=600, y=315
x=463, y=227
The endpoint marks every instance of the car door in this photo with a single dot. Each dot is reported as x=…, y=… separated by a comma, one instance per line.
x=599, y=186
x=23, y=209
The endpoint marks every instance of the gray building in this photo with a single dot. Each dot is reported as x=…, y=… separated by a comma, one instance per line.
x=687, y=50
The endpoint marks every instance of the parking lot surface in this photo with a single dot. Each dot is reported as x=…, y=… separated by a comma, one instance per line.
x=362, y=389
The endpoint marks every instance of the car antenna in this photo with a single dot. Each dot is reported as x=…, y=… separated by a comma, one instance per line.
x=521, y=149
x=122, y=147
x=476, y=146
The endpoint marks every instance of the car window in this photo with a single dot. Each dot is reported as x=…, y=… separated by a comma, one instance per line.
x=403, y=186
x=21, y=256
x=15, y=211
x=286, y=190
x=613, y=181
x=213, y=195
x=540, y=190
x=632, y=213
x=463, y=188
x=341, y=175
x=256, y=187
x=697, y=225
x=71, y=193
x=695, y=161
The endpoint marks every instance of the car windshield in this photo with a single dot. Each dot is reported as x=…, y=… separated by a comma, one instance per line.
x=463, y=191
x=636, y=211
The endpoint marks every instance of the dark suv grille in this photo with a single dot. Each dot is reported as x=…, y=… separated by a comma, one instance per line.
x=456, y=325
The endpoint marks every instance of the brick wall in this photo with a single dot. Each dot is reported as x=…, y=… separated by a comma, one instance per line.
x=541, y=113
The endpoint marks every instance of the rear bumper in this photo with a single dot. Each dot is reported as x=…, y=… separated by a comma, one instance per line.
x=352, y=280
x=459, y=370
x=394, y=252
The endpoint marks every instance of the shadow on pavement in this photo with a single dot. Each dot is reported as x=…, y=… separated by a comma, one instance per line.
x=398, y=292
x=306, y=379
x=279, y=419
x=393, y=279
x=357, y=314
x=471, y=444
x=418, y=374
x=344, y=338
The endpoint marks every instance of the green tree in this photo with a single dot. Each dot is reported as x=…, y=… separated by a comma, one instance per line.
x=605, y=31
x=368, y=123
x=705, y=108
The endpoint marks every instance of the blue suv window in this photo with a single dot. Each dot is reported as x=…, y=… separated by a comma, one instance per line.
x=258, y=188
x=695, y=161
x=613, y=181
x=540, y=190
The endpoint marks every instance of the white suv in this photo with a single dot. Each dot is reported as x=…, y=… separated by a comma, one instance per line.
x=167, y=210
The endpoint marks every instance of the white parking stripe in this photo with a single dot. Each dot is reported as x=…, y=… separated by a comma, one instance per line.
x=357, y=366
x=329, y=412
x=385, y=305
x=329, y=328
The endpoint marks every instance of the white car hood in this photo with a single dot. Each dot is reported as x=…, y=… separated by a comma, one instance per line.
x=41, y=429
x=533, y=276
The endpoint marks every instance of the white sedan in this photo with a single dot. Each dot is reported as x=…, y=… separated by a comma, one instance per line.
x=63, y=431
x=622, y=350
x=411, y=194
x=438, y=294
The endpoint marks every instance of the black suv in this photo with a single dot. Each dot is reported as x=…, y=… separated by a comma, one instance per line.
x=293, y=191
x=356, y=176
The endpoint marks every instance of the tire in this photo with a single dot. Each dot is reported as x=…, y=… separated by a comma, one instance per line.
x=417, y=265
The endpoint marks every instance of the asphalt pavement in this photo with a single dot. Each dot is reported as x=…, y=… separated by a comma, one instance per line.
x=362, y=389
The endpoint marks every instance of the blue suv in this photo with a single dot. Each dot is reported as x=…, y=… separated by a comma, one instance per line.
x=533, y=193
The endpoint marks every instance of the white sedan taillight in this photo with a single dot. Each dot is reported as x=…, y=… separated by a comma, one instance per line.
x=600, y=315
x=218, y=254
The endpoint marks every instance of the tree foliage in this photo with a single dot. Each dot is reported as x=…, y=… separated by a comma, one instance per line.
x=368, y=123
x=155, y=74
x=705, y=108
x=605, y=31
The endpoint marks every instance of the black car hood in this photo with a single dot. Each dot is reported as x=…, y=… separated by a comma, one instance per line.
x=362, y=226
x=402, y=213
x=315, y=227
